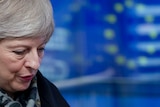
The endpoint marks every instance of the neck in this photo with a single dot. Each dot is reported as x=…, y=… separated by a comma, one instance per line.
x=10, y=94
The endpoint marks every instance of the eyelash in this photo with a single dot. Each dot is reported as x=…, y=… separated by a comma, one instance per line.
x=41, y=49
x=21, y=52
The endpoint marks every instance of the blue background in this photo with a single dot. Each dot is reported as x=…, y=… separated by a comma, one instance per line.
x=105, y=53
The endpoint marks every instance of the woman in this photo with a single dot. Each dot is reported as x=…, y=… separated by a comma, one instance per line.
x=25, y=28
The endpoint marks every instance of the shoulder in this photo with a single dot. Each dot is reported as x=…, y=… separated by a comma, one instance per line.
x=49, y=93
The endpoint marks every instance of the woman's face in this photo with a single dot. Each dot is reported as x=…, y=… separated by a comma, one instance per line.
x=19, y=62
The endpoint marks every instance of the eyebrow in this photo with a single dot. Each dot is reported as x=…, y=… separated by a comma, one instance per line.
x=22, y=45
x=15, y=46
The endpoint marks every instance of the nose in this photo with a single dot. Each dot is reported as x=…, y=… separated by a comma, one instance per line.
x=33, y=60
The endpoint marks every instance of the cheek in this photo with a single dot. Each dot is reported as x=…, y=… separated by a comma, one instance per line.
x=17, y=66
x=8, y=69
x=41, y=56
x=11, y=66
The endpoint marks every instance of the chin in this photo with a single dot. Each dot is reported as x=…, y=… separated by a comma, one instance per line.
x=21, y=87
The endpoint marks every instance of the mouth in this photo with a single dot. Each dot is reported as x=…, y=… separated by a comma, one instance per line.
x=26, y=78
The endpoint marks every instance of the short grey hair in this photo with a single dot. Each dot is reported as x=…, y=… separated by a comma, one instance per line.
x=26, y=18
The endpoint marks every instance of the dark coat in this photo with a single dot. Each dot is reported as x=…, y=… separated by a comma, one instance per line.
x=49, y=94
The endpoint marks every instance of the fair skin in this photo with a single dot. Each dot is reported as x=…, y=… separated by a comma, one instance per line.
x=19, y=62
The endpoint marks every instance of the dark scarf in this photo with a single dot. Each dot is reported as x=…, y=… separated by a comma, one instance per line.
x=27, y=98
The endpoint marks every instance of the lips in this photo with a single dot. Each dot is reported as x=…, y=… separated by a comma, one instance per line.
x=27, y=78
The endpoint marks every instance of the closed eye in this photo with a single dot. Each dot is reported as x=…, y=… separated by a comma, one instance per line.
x=19, y=52
x=41, y=49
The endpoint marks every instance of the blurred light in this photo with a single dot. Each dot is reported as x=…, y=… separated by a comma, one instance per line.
x=131, y=64
x=112, y=49
x=140, y=9
x=144, y=46
x=145, y=29
x=129, y=3
x=142, y=61
x=118, y=7
x=109, y=33
x=110, y=18
x=149, y=18
x=151, y=49
x=143, y=10
x=153, y=35
x=120, y=60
